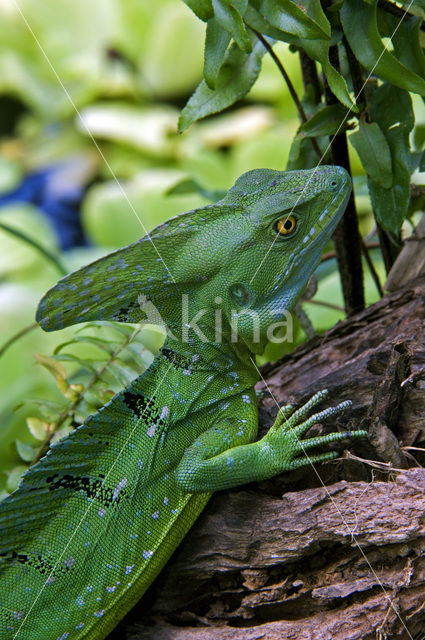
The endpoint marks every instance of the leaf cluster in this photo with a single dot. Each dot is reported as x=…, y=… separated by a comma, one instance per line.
x=88, y=369
x=371, y=58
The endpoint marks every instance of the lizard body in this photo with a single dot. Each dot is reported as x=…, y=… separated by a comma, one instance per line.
x=94, y=521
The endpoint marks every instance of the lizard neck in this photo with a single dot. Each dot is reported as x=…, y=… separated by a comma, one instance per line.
x=220, y=357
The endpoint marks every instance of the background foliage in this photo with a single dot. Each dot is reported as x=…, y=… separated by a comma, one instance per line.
x=93, y=93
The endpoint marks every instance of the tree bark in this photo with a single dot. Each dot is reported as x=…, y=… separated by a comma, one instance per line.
x=335, y=551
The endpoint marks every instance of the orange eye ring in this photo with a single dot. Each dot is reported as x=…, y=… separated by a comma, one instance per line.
x=287, y=225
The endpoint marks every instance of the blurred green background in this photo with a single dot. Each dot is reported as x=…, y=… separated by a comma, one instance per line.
x=89, y=99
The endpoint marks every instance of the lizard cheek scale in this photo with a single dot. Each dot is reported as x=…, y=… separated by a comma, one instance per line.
x=94, y=521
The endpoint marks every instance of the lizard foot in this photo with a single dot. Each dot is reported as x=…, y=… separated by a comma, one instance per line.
x=282, y=446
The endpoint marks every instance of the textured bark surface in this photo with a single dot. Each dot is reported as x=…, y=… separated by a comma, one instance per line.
x=336, y=551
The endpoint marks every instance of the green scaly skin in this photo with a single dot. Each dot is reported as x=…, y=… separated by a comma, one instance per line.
x=94, y=521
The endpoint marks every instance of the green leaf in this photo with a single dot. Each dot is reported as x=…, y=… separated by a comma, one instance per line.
x=319, y=50
x=256, y=21
x=415, y=6
x=405, y=38
x=91, y=365
x=25, y=451
x=38, y=428
x=360, y=27
x=55, y=368
x=14, y=477
x=302, y=154
x=391, y=108
x=100, y=343
x=231, y=21
x=216, y=43
x=287, y=16
x=326, y=121
x=374, y=153
x=422, y=162
x=390, y=105
x=201, y=8
x=391, y=205
x=236, y=77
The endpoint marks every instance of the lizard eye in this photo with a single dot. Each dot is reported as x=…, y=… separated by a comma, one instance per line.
x=285, y=226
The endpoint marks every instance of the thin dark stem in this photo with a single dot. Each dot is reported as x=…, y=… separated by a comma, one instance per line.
x=287, y=79
x=329, y=255
x=16, y=336
x=328, y=305
x=36, y=245
x=309, y=76
x=347, y=235
x=371, y=267
x=301, y=113
x=358, y=86
x=389, y=249
x=356, y=75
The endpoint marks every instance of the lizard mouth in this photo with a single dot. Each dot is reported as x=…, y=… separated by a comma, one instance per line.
x=322, y=234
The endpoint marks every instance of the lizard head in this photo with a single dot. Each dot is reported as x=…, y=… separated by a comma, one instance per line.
x=274, y=244
x=252, y=253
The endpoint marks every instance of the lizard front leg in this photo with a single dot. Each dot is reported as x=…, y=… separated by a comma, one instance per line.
x=217, y=461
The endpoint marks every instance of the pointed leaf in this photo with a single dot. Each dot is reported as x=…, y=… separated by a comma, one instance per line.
x=302, y=154
x=361, y=30
x=90, y=365
x=374, y=152
x=101, y=343
x=25, y=451
x=55, y=368
x=390, y=105
x=216, y=42
x=38, y=428
x=125, y=330
x=237, y=75
x=257, y=21
x=392, y=109
x=405, y=37
x=319, y=50
x=231, y=21
x=391, y=205
x=328, y=120
x=287, y=16
x=201, y=8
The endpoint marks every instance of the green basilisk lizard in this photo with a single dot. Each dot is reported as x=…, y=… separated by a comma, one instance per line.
x=93, y=522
